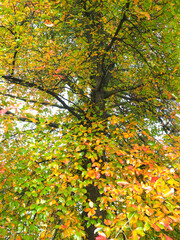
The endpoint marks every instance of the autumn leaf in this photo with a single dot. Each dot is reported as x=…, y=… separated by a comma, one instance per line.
x=101, y=237
x=3, y=111
x=107, y=222
x=154, y=179
x=167, y=238
x=48, y=23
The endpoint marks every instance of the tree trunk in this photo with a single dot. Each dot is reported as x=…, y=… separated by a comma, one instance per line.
x=93, y=193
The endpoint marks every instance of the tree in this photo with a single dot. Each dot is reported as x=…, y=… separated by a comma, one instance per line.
x=89, y=120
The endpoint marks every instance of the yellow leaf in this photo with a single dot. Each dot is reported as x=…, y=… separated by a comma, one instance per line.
x=43, y=234
x=169, y=192
x=52, y=202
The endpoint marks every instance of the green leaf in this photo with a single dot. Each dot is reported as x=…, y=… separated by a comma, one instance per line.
x=147, y=226
x=140, y=231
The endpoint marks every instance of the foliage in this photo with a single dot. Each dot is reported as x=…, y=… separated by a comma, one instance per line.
x=89, y=120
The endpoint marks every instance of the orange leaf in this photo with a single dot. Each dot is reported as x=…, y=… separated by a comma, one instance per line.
x=48, y=23
x=59, y=70
x=43, y=234
x=156, y=228
x=107, y=222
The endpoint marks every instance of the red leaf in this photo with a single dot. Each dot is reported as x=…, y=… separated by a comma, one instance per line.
x=97, y=174
x=130, y=167
x=120, y=153
x=63, y=226
x=100, y=237
x=121, y=161
x=166, y=224
x=146, y=149
x=169, y=95
x=59, y=70
x=167, y=238
x=154, y=179
x=63, y=77
x=2, y=111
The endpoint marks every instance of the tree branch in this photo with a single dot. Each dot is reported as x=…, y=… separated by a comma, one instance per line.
x=108, y=47
x=138, y=51
x=110, y=93
x=32, y=101
x=26, y=119
x=7, y=29
x=118, y=28
x=33, y=85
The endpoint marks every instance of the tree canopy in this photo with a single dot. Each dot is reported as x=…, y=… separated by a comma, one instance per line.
x=89, y=120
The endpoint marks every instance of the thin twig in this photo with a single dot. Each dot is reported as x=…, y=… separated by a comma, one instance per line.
x=121, y=230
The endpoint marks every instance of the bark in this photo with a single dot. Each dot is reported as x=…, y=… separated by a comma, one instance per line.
x=100, y=76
